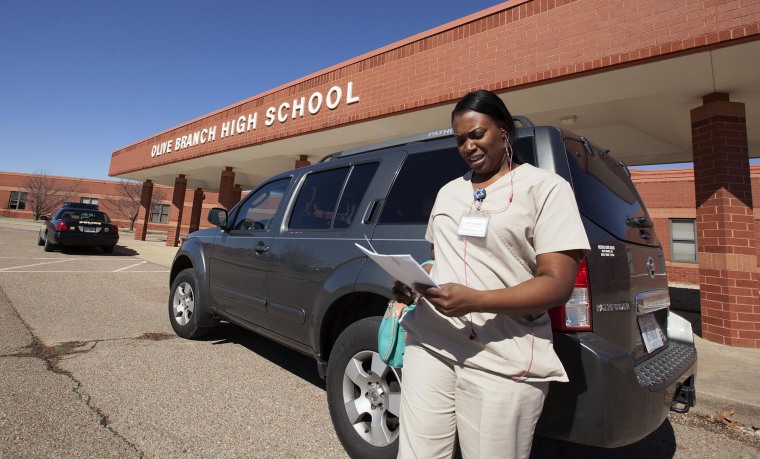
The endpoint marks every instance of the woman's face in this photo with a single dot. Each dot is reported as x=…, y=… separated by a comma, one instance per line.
x=481, y=143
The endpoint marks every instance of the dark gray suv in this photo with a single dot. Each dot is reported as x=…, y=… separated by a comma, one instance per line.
x=282, y=263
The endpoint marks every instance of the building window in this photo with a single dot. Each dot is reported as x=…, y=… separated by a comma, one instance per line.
x=683, y=240
x=88, y=201
x=159, y=213
x=18, y=200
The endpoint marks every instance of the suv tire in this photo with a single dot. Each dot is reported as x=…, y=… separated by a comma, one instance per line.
x=185, y=306
x=363, y=393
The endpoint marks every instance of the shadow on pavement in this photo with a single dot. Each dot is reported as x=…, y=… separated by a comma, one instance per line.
x=303, y=366
x=118, y=251
x=659, y=444
x=122, y=251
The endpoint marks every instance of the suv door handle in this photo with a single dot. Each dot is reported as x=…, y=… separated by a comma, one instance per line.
x=370, y=210
x=261, y=248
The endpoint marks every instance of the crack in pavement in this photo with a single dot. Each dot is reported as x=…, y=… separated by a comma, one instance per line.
x=52, y=356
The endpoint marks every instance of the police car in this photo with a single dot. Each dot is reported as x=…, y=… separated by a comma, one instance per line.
x=78, y=225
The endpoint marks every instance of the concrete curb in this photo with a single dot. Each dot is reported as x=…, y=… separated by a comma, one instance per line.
x=710, y=405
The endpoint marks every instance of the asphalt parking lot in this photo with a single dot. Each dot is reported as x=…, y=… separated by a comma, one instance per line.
x=90, y=367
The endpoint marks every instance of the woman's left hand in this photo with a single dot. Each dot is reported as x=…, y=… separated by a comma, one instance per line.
x=452, y=300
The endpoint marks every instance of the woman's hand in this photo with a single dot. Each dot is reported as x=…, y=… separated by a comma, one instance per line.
x=452, y=300
x=403, y=293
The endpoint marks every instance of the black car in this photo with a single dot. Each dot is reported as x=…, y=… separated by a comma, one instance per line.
x=78, y=225
x=282, y=263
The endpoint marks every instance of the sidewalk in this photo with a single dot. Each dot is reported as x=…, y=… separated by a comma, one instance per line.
x=727, y=380
x=727, y=376
x=152, y=249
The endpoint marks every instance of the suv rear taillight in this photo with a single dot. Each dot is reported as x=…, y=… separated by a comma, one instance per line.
x=61, y=227
x=575, y=314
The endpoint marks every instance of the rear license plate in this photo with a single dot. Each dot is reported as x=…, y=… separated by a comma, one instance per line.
x=88, y=229
x=651, y=334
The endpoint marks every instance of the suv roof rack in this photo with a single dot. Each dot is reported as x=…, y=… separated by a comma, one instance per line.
x=520, y=120
x=80, y=205
x=390, y=143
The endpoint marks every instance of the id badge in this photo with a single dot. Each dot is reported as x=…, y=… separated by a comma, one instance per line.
x=473, y=225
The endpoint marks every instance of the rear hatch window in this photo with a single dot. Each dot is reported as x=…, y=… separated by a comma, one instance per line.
x=606, y=195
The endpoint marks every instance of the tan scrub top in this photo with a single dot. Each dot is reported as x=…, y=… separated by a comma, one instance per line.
x=542, y=217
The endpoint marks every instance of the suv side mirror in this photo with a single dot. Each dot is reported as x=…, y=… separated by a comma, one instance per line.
x=218, y=216
x=44, y=218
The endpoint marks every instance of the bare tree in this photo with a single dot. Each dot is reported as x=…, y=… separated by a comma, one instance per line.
x=127, y=203
x=46, y=193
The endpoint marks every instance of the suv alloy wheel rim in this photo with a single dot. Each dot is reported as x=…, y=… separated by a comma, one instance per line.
x=183, y=304
x=372, y=398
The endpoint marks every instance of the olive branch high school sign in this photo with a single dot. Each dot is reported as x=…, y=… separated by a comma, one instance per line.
x=281, y=113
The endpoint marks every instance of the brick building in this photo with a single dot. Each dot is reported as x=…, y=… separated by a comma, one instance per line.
x=655, y=82
x=14, y=188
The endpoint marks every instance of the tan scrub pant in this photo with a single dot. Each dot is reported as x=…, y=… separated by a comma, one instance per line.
x=493, y=415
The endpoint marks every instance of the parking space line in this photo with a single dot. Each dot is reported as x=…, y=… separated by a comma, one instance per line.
x=3, y=271
x=130, y=266
x=35, y=264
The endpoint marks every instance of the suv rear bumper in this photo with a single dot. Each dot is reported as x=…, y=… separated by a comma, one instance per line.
x=596, y=407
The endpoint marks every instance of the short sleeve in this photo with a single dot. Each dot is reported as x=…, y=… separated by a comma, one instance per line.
x=558, y=222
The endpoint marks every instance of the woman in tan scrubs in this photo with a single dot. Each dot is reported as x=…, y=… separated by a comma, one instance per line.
x=507, y=239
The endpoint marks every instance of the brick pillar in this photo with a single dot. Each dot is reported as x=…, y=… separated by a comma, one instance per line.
x=176, y=210
x=302, y=161
x=143, y=212
x=195, y=213
x=237, y=193
x=728, y=274
x=227, y=197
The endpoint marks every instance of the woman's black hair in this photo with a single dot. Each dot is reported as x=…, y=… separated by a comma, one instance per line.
x=490, y=104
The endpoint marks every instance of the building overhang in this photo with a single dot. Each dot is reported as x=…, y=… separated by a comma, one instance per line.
x=632, y=96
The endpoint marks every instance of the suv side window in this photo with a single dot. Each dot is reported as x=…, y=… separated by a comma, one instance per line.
x=330, y=199
x=416, y=187
x=257, y=212
x=317, y=199
x=357, y=184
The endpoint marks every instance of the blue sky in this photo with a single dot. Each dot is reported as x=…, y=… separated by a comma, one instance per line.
x=82, y=78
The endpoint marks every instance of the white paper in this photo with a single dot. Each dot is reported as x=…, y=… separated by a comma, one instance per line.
x=402, y=267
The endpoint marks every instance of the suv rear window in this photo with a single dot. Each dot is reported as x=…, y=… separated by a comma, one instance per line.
x=422, y=175
x=604, y=192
